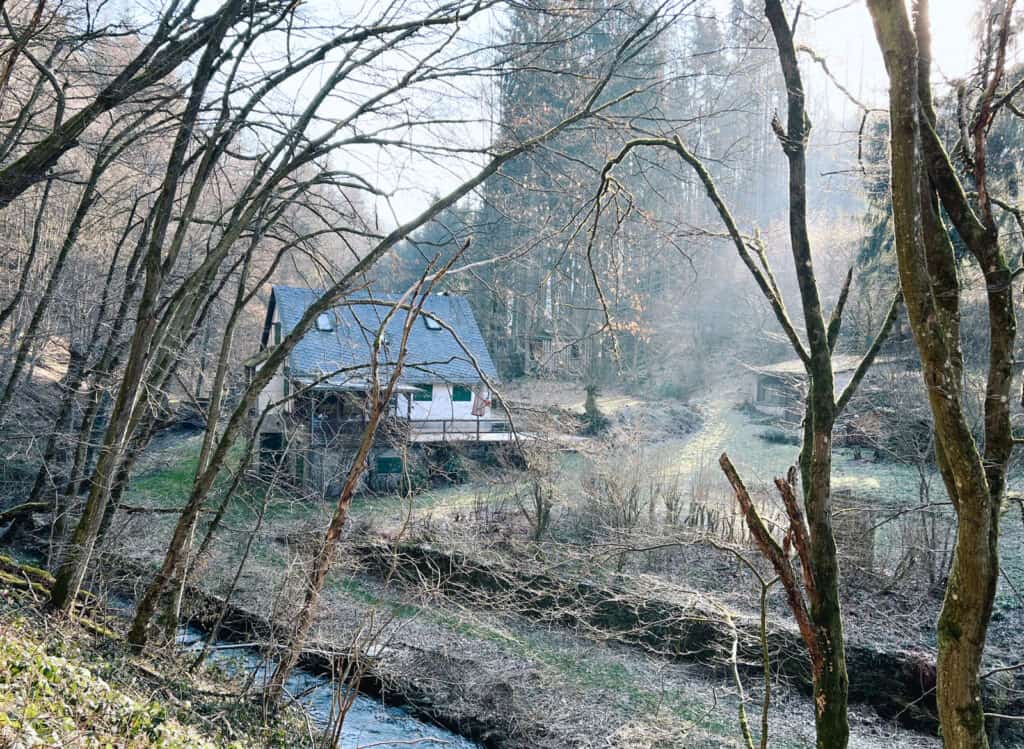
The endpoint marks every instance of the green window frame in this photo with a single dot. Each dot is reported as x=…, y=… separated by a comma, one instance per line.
x=423, y=393
x=389, y=464
x=461, y=394
x=277, y=333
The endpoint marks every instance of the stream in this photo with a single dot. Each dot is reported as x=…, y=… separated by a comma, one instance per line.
x=368, y=722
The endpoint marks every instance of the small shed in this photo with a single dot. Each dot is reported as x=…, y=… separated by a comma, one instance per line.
x=779, y=389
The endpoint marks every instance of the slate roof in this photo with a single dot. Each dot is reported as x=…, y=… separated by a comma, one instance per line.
x=433, y=355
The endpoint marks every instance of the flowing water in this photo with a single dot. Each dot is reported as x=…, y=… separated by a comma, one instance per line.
x=367, y=723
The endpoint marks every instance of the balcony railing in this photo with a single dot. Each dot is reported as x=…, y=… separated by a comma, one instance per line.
x=459, y=430
x=413, y=430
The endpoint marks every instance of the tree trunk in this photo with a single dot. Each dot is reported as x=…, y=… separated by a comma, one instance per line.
x=325, y=555
x=72, y=569
x=127, y=410
x=172, y=611
x=975, y=482
x=831, y=682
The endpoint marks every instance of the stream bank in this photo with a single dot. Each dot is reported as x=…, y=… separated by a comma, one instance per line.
x=899, y=685
x=530, y=680
x=367, y=720
x=470, y=722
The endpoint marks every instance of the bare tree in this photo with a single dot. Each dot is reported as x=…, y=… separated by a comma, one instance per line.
x=379, y=397
x=175, y=37
x=814, y=596
x=593, y=104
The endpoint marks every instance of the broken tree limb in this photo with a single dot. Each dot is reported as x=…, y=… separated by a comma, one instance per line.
x=798, y=530
x=777, y=557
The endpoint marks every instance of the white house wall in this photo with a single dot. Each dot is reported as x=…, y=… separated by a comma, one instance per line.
x=441, y=407
x=274, y=391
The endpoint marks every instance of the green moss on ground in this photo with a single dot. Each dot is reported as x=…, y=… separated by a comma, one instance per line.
x=59, y=701
x=61, y=685
x=169, y=483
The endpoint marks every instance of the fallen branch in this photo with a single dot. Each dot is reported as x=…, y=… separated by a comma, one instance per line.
x=23, y=509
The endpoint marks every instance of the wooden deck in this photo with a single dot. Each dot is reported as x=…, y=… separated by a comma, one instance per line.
x=460, y=430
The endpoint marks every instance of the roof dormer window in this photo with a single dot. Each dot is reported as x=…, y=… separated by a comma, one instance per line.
x=324, y=323
x=431, y=323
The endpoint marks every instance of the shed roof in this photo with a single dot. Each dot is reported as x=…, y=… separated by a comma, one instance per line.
x=795, y=367
x=433, y=355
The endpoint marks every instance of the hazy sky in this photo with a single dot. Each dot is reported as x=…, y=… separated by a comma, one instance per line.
x=841, y=30
x=838, y=29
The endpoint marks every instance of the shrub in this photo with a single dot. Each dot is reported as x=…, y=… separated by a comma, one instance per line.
x=594, y=422
x=779, y=437
x=447, y=465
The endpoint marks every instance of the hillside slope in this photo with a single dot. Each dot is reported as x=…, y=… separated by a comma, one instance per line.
x=62, y=685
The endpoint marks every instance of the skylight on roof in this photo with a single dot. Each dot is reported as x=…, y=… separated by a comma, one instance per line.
x=431, y=323
x=324, y=323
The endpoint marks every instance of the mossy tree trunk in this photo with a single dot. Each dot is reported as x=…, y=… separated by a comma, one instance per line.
x=831, y=683
x=128, y=409
x=922, y=179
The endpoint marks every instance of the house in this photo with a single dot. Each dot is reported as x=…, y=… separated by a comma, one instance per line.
x=779, y=389
x=313, y=412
